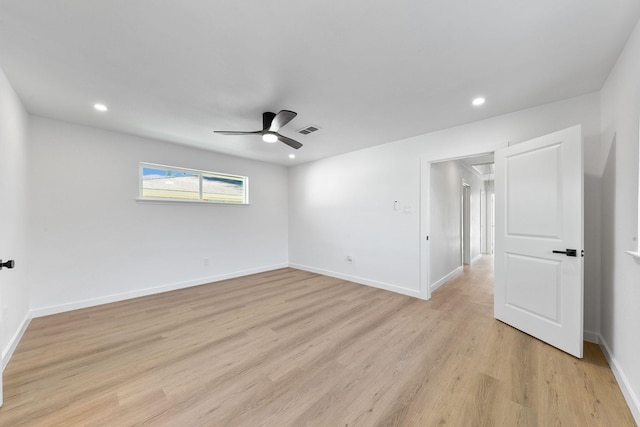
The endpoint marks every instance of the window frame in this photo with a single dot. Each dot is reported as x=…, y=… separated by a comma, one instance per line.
x=200, y=173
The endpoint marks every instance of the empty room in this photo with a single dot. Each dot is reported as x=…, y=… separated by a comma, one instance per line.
x=410, y=213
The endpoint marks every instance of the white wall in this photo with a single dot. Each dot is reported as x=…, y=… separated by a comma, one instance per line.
x=477, y=188
x=620, y=302
x=344, y=205
x=446, y=191
x=14, y=286
x=91, y=242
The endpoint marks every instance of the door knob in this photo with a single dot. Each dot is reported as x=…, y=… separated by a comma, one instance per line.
x=8, y=264
x=568, y=252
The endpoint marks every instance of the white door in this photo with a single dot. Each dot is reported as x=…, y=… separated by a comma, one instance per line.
x=483, y=222
x=3, y=252
x=1, y=305
x=539, y=210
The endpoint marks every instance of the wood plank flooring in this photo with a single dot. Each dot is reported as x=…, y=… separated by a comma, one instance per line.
x=292, y=348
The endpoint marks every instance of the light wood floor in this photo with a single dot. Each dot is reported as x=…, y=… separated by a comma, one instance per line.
x=292, y=348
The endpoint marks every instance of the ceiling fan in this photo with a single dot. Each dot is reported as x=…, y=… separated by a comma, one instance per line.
x=271, y=123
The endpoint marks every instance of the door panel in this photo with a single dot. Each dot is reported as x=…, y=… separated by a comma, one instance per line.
x=541, y=219
x=539, y=209
x=534, y=286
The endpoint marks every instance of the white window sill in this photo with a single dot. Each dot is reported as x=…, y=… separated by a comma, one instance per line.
x=187, y=202
x=635, y=255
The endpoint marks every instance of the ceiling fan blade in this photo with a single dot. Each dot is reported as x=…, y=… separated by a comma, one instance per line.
x=281, y=119
x=290, y=142
x=267, y=118
x=233, y=132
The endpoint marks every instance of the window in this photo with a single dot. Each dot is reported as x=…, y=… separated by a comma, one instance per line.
x=170, y=183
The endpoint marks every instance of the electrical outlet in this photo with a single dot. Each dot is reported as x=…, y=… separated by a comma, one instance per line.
x=349, y=259
x=205, y=262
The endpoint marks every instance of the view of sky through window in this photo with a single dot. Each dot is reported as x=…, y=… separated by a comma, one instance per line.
x=166, y=183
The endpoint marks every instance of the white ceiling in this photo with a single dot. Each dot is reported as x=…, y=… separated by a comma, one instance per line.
x=366, y=71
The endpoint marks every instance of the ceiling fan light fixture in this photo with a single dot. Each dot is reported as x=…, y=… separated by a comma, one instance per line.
x=270, y=137
x=271, y=123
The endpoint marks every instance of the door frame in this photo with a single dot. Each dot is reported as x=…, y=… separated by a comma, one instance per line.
x=425, y=209
x=483, y=220
x=491, y=225
x=465, y=224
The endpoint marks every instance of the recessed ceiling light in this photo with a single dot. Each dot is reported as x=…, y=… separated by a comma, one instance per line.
x=478, y=101
x=269, y=137
x=292, y=156
x=100, y=107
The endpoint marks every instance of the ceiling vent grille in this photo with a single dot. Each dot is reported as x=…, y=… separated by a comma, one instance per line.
x=309, y=129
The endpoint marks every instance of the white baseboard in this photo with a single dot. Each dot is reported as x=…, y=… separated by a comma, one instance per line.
x=75, y=305
x=15, y=339
x=630, y=396
x=592, y=337
x=446, y=278
x=360, y=280
x=476, y=258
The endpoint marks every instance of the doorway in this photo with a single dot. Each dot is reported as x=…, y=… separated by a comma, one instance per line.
x=553, y=153
x=457, y=214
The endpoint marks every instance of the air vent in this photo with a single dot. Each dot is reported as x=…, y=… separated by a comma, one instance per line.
x=309, y=129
